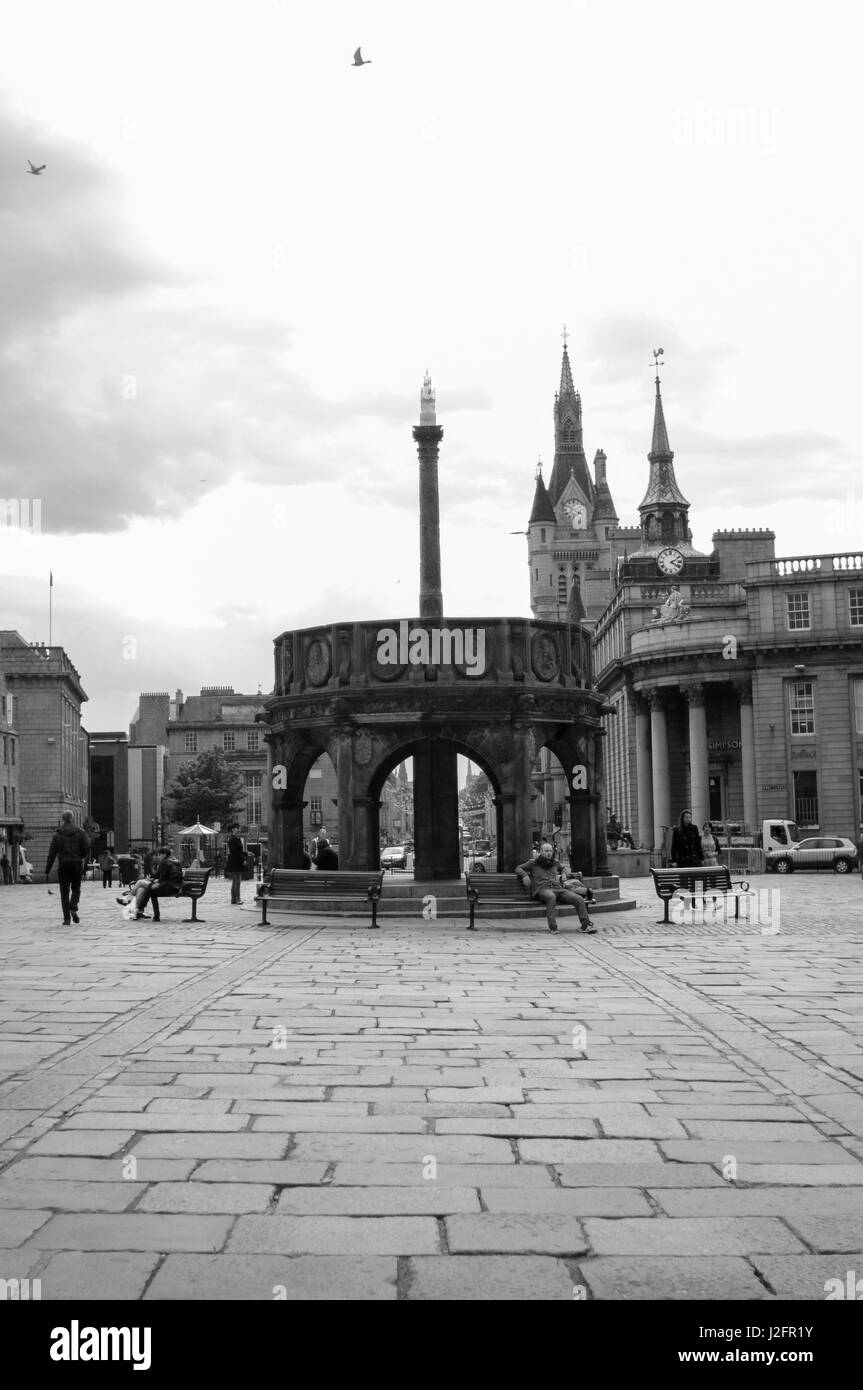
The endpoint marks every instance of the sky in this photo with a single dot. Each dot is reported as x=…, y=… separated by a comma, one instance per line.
x=218, y=302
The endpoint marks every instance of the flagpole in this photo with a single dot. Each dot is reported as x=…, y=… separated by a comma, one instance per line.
x=50, y=607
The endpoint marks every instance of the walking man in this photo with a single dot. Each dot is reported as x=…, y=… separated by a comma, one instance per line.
x=234, y=865
x=542, y=878
x=70, y=847
x=6, y=868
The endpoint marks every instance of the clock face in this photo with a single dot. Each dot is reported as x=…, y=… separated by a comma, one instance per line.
x=576, y=514
x=669, y=561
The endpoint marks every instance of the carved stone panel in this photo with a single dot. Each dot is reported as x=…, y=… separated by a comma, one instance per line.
x=319, y=661
x=545, y=656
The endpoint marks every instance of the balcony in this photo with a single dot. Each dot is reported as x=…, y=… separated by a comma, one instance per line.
x=696, y=635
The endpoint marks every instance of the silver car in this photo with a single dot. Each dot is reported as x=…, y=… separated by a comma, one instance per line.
x=819, y=852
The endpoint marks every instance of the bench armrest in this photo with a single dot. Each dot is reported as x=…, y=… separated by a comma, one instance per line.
x=741, y=883
x=374, y=892
x=472, y=893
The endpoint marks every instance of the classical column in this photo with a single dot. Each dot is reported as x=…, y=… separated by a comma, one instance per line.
x=436, y=837
x=699, y=789
x=366, y=832
x=747, y=755
x=428, y=435
x=659, y=766
x=342, y=745
x=643, y=771
x=600, y=815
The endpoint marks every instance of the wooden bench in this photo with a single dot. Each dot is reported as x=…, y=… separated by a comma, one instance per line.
x=714, y=879
x=284, y=886
x=505, y=890
x=194, y=886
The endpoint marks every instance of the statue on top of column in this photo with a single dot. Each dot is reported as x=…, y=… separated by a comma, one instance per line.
x=427, y=403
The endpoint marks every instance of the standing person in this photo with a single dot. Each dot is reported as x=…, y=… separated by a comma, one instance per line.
x=70, y=847
x=327, y=859
x=106, y=864
x=709, y=847
x=542, y=878
x=234, y=865
x=685, y=843
x=217, y=864
x=6, y=868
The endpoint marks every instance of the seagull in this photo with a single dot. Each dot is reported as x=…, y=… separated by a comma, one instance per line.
x=34, y=170
x=359, y=60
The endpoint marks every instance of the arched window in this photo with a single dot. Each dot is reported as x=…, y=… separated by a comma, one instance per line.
x=668, y=526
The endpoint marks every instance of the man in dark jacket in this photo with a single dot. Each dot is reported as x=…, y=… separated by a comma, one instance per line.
x=71, y=848
x=685, y=844
x=234, y=865
x=543, y=879
x=327, y=859
x=165, y=883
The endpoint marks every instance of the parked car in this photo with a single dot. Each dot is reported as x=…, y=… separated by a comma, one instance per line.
x=818, y=852
x=394, y=857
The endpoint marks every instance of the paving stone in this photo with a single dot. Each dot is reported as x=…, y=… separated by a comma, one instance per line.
x=788, y=1202
x=271, y=1171
x=95, y=1143
x=588, y=1151
x=156, y=1120
x=17, y=1226
x=70, y=1196
x=722, y=1277
x=570, y=1201
x=334, y=1235
x=515, y=1233
x=826, y=1234
x=713, y=1151
x=802, y=1174
x=98, y=1169
x=484, y=1278
x=212, y=1145
x=342, y=1278
x=584, y=1128
x=207, y=1197
x=134, y=1231
x=80, y=1274
x=395, y=1148
x=704, y=1236
x=431, y=1199
x=339, y=1124
x=812, y=1277
x=452, y=1174
x=19, y=1263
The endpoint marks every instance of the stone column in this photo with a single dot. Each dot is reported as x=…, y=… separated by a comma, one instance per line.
x=747, y=755
x=643, y=772
x=428, y=438
x=366, y=833
x=342, y=755
x=659, y=766
x=699, y=791
x=600, y=815
x=286, y=831
x=436, y=837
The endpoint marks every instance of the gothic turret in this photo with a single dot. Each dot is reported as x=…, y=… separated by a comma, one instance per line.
x=569, y=458
x=603, y=504
x=542, y=509
x=664, y=510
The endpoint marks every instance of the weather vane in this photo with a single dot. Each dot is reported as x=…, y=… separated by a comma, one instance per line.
x=564, y=335
x=539, y=465
x=657, y=353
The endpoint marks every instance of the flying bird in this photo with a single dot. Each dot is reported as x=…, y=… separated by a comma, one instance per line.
x=359, y=60
x=33, y=168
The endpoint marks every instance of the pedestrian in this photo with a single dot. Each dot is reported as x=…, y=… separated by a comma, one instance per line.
x=234, y=864
x=543, y=878
x=107, y=864
x=327, y=860
x=217, y=864
x=709, y=847
x=70, y=847
x=685, y=843
x=166, y=882
x=6, y=868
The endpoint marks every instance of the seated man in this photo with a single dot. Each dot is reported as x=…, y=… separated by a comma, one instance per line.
x=165, y=883
x=543, y=877
x=327, y=859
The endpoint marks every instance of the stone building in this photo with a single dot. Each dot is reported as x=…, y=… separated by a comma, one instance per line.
x=217, y=718
x=109, y=790
x=51, y=745
x=736, y=678
x=11, y=824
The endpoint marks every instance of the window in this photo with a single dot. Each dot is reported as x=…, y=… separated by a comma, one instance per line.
x=191, y=742
x=667, y=531
x=229, y=740
x=253, y=740
x=860, y=793
x=797, y=612
x=5, y=749
x=858, y=706
x=802, y=708
x=5, y=801
x=561, y=588
x=542, y=533
x=253, y=798
x=806, y=798
x=855, y=607
x=13, y=800
x=12, y=743
x=315, y=810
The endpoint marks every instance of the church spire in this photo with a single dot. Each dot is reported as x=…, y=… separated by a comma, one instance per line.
x=664, y=510
x=660, y=447
x=569, y=457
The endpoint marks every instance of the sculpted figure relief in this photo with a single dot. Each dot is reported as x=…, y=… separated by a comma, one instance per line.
x=673, y=610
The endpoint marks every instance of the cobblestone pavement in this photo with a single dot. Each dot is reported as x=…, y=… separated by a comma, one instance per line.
x=322, y=1111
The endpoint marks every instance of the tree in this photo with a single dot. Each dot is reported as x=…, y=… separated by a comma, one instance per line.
x=206, y=788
